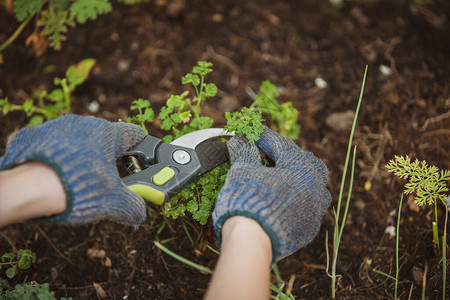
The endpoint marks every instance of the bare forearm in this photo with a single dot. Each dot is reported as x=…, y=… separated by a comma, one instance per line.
x=28, y=191
x=243, y=269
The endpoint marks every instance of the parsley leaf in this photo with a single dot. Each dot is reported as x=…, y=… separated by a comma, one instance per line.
x=25, y=8
x=55, y=25
x=246, y=122
x=83, y=10
x=284, y=115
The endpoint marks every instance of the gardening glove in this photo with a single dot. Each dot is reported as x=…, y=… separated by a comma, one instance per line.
x=83, y=151
x=287, y=200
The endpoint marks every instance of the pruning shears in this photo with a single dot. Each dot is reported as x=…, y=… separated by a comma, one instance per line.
x=162, y=170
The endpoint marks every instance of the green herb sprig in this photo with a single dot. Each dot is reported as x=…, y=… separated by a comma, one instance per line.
x=428, y=184
x=22, y=260
x=52, y=105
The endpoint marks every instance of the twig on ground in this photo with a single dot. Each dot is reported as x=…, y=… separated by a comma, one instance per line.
x=53, y=245
x=434, y=120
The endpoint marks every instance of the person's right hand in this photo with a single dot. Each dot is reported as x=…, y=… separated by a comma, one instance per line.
x=83, y=152
x=288, y=200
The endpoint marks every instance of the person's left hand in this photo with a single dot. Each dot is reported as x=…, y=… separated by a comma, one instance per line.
x=83, y=151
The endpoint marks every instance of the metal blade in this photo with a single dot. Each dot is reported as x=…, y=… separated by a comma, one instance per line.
x=211, y=154
x=193, y=139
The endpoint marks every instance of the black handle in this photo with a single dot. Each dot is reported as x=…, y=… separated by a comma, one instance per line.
x=166, y=173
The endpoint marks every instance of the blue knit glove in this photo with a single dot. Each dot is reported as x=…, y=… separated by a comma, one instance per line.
x=83, y=151
x=288, y=200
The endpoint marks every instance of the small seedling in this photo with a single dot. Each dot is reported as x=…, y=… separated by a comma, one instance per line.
x=145, y=115
x=248, y=121
x=54, y=18
x=429, y=185
x=426, y=182
x=22, y=260
x=339, y=225
x=181, y=114
x=30, y=291
x=284, y=115
x=51, y=105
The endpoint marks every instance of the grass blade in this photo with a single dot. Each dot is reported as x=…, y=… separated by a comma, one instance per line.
x=340, y=226
x=183, y=260
x=385, y=274
x=396, y=246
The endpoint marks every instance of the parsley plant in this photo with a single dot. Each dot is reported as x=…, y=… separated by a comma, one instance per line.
x=284, y=115
x=146, y=113
x=425, y=181
x=181, y=114
x=51, y=105
x=31, y=291
x=248, y=121
x=22, y=260
x=55, y=17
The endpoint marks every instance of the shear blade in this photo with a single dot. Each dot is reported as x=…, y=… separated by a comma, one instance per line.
x=195, y=138
x=210, y=152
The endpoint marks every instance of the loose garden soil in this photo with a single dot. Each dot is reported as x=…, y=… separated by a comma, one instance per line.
x=143, y=50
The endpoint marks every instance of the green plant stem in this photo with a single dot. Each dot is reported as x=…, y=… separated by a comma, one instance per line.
x=384, y=274
x=338, y=232
x=396, y=246
x=347, y=203
x=183, y=260
x=350, y=141
x=16, y=33
x=424, y=281
x=435, y=226
x=188, y=235
x=213, y=250
x=277, y=274
x=66, y=92
x=435, y=237
x=42, y=111
x=11, y=263
x=336, y=237
x=444, y=254
x=200, y=96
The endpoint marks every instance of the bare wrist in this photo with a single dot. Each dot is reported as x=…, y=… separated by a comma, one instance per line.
x=243, y=228
x=28, y=191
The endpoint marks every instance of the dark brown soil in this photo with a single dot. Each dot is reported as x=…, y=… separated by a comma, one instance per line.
x=142, y=51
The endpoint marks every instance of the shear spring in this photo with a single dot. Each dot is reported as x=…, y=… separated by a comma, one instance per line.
x=133, y=165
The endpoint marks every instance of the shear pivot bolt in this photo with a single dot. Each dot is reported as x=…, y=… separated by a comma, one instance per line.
x=181, y=157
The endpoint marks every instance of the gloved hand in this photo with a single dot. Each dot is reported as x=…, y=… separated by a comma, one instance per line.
x=83, y=151
x=287, y=200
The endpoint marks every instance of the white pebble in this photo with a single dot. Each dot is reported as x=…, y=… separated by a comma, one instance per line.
x=385, y=70
x=320, y=83
x=390, y=230
x=123, y=65
x=392, y=212
x=94, y=107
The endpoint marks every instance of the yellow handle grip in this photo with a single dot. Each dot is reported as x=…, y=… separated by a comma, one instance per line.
x=148, y=193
